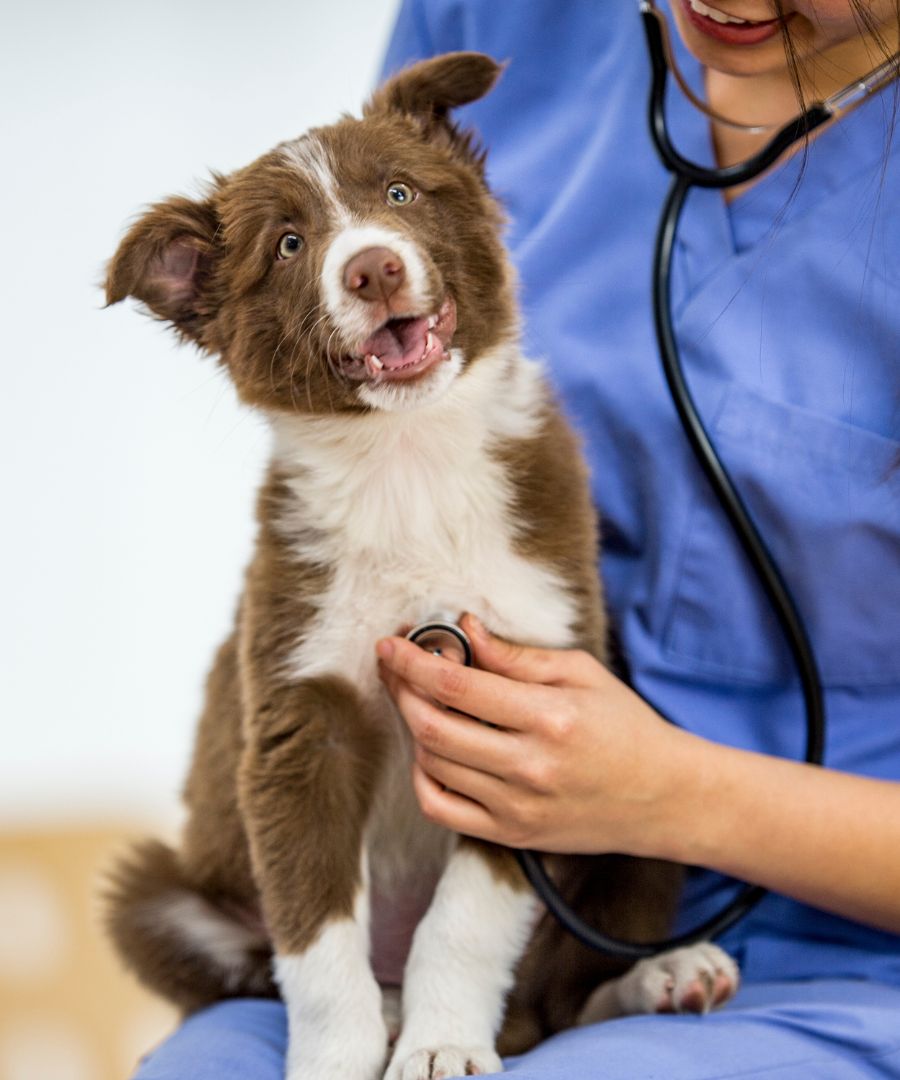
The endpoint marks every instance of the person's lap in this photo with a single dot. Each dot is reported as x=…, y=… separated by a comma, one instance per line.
x=826, y=1030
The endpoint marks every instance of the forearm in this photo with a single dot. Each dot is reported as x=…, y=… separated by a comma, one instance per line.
x=572, y=760
x=826, y=838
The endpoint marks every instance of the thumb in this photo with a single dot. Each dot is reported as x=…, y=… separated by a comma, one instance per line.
x=526, y=663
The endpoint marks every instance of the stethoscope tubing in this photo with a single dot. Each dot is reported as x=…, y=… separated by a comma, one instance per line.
x=686, y=175
x=702, y=175
x=770, y=576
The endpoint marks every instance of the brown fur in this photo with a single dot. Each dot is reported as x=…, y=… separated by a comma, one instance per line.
x=284, y=772
x=626, y=898
x=214, y=842
x=243, y=309
x=144, y=883
x=550, y=480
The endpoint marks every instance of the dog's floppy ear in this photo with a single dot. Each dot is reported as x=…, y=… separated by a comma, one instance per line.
x=166, y=260
x=427, y=91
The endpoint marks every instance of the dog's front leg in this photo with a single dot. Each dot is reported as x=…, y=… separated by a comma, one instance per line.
x=461, y=966
x=307, y=777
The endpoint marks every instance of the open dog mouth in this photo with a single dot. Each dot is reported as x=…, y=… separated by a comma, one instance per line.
x=403, y=347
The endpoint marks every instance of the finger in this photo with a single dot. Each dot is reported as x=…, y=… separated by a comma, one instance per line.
x=453, y=811
x=489, y=697
x=526, y=663
x=489, y=791
x=455, y=737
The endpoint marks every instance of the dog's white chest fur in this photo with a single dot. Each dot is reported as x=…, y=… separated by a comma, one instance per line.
x=412, y=514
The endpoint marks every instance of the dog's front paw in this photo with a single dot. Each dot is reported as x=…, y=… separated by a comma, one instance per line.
x=443, y=1062
x=694, y=979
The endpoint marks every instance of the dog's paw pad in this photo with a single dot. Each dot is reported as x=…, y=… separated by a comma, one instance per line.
x=694, y=979
x=447, y=1061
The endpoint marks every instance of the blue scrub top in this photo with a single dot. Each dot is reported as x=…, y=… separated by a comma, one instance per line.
x=787, y=310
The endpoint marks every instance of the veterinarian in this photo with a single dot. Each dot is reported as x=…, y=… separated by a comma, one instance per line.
x=787, y=312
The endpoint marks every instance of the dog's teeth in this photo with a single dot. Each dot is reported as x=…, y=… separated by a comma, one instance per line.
x=373, y=363
x=432, y=322
x=429, y=343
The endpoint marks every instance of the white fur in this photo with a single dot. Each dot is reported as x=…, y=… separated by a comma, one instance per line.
x=447, y=1061
x=460, y=969
x=352, y=314
x=412, y=513
x=206, y=931
x=392, y=1010
x=310, y=157
x=407, y=394
x=661, y=983
x=335, y=1023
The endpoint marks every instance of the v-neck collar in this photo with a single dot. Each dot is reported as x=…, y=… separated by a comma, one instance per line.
x=851, y=147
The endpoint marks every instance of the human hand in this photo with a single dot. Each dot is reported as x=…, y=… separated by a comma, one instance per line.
x=575, y=761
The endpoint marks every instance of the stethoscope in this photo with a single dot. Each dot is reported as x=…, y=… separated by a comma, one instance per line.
x=445, y=638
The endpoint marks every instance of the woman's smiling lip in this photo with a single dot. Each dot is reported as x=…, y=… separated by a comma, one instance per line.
x=749, y=33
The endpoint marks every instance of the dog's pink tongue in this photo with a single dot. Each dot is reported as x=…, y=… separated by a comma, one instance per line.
x=399, y=343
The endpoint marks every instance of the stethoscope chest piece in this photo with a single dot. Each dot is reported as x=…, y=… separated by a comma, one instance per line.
x=444, y=639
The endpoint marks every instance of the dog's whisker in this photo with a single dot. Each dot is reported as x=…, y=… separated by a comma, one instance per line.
x=274, y=356
x=309, y=397
x=298, y=332
x=292, y=381
x=333, y=367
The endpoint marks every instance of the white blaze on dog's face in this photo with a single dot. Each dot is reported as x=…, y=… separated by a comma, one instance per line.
x=392, y=315
x=356, y=267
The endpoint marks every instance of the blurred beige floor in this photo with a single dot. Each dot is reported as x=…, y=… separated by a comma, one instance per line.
x=67, y=1009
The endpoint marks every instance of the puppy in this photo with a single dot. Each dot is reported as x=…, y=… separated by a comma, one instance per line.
x=353, y=284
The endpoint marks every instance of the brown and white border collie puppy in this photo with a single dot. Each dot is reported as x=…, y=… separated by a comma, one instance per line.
x=353, y=284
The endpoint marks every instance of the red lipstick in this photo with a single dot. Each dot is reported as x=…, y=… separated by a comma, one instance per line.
x=749, y=33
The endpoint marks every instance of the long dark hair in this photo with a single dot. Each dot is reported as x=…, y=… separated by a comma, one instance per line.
x=868, y=25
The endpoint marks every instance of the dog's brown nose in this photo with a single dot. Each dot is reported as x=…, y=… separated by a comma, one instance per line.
x=374, y=274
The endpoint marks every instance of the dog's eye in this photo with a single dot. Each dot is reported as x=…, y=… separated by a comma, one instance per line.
x=399, y=194
x=289, y=245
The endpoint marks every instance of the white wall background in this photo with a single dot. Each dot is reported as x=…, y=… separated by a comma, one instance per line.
x=127, y=469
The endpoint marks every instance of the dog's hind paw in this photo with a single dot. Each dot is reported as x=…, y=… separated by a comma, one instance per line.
x=694, y=979
x=443, y=1062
